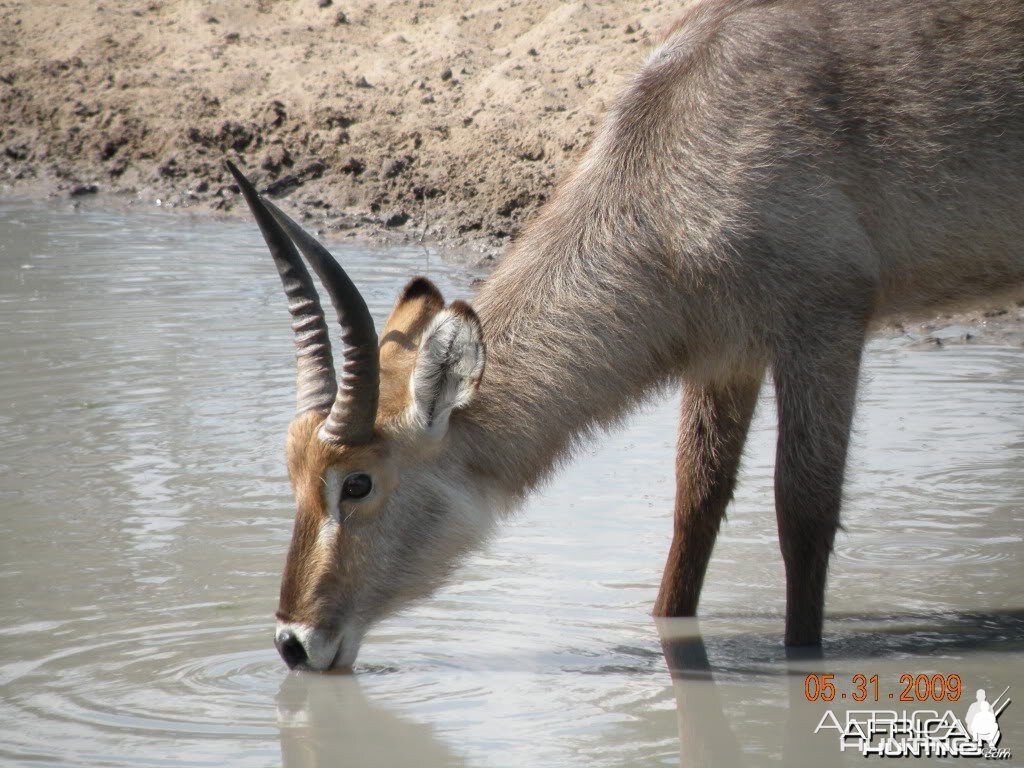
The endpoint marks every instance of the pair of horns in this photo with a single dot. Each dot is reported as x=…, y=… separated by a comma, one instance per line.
x=352, y=400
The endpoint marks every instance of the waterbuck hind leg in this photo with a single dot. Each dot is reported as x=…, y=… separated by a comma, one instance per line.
x=712, y=430
x=816, y=389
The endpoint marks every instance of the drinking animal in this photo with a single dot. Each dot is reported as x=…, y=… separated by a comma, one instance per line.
x=779, y=175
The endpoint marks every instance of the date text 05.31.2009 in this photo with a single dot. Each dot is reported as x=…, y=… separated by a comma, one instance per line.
x=913, y=688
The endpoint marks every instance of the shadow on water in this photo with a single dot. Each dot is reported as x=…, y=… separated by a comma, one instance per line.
x=327, y=720
x=740, y=697
x=157, y=488
x=861, y=644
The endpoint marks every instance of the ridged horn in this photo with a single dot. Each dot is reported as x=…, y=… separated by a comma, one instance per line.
x=355, y=407
x=316, y=386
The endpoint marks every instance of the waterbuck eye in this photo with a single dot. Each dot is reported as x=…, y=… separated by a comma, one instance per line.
x=356, y=486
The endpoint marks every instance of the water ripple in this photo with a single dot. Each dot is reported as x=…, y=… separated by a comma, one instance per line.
x=147, y=370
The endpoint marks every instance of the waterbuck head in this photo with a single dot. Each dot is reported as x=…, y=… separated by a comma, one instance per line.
x=380, y=518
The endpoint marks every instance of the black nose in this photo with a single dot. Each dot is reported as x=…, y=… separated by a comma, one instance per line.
x=290, y=648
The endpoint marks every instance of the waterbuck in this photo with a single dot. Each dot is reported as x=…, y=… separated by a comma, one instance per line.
x=776, y=177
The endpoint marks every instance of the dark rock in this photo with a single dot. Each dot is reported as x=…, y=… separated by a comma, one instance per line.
x=283, y=184
x=84, y=189
x=353, y=166
x=531, y=154
x=513, y=204
x=396, y=219
x=275, y=157
x=421, y=193
x=109, y=149
x=272, y=115
x=233, y=135
x=169, y=169
x=16, y=151
x=362, y=82
x=393, y=167
x=312, y=170
x=332, y=117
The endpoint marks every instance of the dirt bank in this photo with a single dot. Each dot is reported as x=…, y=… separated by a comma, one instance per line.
x=431, y=120
x=434, y=119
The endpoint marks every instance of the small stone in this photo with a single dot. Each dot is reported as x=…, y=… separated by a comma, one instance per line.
x=446, y=73
x=234, y=135
x=340, y=19
x=84, y=189
x=354, y=166
x=312, y=170
x=531, y=154
x=283, y=184
x=362, y=82
x=17, y=151
x=170, y=169
x=324, y=3
x=275, y=157
x=393, y=167
x=273, y=114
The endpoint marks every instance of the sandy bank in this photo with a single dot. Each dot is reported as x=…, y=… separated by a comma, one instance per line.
x=430, y=120
x=439, y=120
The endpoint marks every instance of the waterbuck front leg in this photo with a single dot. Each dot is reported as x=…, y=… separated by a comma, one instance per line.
x=816, y=387
x=712, y=430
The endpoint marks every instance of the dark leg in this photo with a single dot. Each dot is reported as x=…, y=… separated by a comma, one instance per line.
x=816, y=388
x=712, y=431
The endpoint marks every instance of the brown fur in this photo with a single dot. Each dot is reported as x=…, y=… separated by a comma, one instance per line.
x=314, y=578
x=417, y=305
x=323, y=575
x=712, y=430
x=778, y=176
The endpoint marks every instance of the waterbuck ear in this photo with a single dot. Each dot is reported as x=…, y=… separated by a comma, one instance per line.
x=448, y=368
x=417, y=305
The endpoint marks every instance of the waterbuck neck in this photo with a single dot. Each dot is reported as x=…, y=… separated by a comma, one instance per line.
x=570, y=324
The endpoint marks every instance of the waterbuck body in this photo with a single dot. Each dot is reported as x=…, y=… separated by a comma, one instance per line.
x=777, y=176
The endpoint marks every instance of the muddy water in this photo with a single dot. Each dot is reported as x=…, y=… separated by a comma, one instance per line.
x=145, y=385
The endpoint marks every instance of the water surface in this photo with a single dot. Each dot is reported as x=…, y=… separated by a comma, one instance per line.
x=146, y=382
